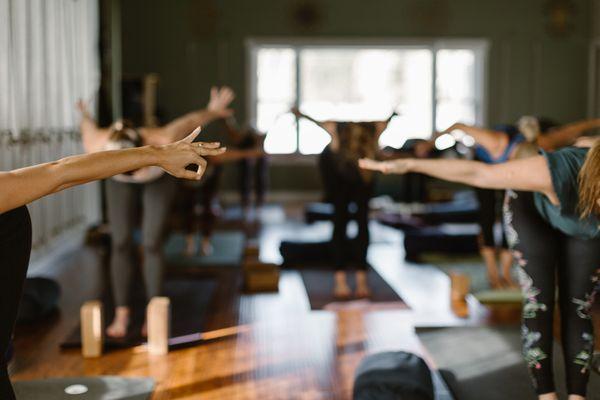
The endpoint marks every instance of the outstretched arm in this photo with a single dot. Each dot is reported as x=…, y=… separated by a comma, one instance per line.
x=22, y=186
x=493, y=141
x=381, y=126
x=530, y=174
x=329, y=126
x=566, y=134
x=220, y=99
x=94, y=139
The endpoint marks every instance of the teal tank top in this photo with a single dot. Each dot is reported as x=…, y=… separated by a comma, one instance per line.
x=564, y=166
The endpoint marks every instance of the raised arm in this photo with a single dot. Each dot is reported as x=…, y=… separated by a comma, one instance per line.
x=566, y=135
x=493, y=141
x=530, y=174
x=217, y=108
x=94, y=139
x=328, y=126
x=22, y=186
x=381, y=126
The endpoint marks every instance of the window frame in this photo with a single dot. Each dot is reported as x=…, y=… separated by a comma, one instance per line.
x=479, y=46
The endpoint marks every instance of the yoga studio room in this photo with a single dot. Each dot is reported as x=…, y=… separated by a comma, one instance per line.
x=299, y=199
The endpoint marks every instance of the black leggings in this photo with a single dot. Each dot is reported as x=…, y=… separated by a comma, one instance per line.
x=204, y=196
x=343, y=189
x=490, y=209
x=548, y=258
x=15, y=248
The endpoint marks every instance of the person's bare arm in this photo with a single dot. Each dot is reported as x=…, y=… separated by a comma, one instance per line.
x=328, y=126
x=566, y=134
x=381, y=126
x=217, y=108
x=22, y=186
x=530, y=174
x=93, y=138
x=493, y=141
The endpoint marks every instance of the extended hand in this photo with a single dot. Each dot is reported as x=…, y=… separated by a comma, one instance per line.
x=220, y=99
x=401, y=166
x=175, y=157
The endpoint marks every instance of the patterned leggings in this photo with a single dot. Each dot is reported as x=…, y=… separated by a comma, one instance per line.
x=548, y=259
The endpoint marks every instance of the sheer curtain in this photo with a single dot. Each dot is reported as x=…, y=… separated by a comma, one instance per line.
x=49, y=58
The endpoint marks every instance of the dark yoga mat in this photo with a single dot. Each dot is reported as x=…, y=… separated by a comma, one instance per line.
x=486, y=363
x=319, y=287
x=85, y=388
x=228, y=251
x=190, y=300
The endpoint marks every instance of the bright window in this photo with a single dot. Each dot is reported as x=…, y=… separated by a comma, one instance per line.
x=429, y=86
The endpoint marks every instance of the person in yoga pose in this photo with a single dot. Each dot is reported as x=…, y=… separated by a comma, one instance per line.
x=253, y=171
x=344, y=184
x=553, y=227
x=22, y=186
x=157, y=191
x=498, y=145
x=245, y=148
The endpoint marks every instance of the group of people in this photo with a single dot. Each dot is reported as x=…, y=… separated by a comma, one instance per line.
x=552, y=226
x=157, y=191
x=543, y=179
x=549, y=191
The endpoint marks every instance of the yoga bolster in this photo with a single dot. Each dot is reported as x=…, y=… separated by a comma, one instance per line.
x=40, y=298
x=393, y=376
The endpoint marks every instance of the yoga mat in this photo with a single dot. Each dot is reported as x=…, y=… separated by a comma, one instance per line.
x=190, y=300
x=480, y=286
x=319, y=287
x=85, y=388
x=228, y=251
x=486, y=363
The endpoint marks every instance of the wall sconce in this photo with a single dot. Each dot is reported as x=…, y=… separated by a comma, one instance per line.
x=559, y=16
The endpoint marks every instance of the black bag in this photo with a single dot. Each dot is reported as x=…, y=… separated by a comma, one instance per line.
x=393, y=376
x=40, y=298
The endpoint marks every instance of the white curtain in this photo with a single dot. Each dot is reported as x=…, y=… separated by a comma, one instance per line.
x=49, y=58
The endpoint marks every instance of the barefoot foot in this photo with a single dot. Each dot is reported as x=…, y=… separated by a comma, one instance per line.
x=119, y=325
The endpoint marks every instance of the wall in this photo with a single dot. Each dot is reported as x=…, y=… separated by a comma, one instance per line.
x=194, y=44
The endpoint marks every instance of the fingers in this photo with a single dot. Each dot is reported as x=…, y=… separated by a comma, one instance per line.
x=190, y=138
x=227, y=93
x=201, y=168
x=214, y=91
x=208, y=145
x=191, y=175
x=371, y=165
x=211, y=152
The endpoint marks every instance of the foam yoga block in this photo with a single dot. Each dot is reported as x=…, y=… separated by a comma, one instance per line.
x=391, y=376
x=88, y=388
x=158, y=317
x=91, y=329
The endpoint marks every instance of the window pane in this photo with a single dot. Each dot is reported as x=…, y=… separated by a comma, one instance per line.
x=366, y=84
x=281, y=137
x=313, y=139
x=276, y=94
x=455, y=88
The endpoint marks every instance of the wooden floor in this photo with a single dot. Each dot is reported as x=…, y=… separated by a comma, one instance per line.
x=263, y=346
